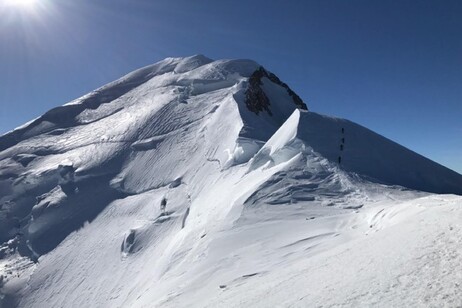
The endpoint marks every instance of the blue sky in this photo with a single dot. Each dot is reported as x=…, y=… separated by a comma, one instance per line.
x=393, y=66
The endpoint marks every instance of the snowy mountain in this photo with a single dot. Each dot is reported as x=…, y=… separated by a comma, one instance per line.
x=194, y=182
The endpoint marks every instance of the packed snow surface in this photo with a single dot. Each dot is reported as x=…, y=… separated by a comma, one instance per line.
x=169, y=188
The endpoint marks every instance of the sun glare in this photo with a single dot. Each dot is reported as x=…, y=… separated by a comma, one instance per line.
x=26, y=4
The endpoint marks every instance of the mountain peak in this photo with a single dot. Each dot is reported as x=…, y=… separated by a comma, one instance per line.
x=189, y=63
x=177, y=167
x=196, y=74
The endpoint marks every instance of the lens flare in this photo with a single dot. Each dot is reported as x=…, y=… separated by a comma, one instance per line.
x=26, y=4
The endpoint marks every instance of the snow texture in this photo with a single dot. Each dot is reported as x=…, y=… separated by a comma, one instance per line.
x=201, y=183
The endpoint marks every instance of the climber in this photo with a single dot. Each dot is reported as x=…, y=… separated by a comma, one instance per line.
x=339, y=159
x=163, y=205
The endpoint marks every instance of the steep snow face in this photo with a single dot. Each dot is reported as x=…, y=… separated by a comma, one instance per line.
x=356, y=149
x=364, y=152
x=190, y=180
x=179, y=121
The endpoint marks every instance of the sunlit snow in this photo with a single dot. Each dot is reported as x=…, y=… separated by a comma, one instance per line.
x=162, y=189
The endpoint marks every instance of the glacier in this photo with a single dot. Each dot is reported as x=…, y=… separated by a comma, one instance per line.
x=201, y=183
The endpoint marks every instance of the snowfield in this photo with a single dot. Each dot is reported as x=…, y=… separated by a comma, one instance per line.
x=201, y=183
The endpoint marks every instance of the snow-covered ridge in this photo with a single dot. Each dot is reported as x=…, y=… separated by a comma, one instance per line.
x=364, y=152
x=186, y=176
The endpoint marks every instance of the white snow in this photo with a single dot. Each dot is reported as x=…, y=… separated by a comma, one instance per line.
x=162, y=189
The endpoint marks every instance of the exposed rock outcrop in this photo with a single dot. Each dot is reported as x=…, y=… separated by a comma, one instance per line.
x=256, y=99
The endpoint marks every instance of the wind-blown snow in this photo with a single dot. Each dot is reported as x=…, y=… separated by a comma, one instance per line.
x=164, y=189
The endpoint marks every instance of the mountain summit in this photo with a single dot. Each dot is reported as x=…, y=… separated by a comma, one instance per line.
x=190, y=179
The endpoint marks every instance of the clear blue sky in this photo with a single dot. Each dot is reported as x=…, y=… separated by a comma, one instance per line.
x=393, y=66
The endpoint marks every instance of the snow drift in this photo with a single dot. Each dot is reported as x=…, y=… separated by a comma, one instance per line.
x=187, y=176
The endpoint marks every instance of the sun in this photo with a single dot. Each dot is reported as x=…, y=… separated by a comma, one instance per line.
x=22, y=4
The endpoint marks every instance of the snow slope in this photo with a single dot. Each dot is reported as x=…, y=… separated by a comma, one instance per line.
x=194, y=182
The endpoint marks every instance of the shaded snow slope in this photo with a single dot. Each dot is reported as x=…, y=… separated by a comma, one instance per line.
x=189, y=182
x=367, y=153
x=356, y=149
